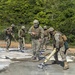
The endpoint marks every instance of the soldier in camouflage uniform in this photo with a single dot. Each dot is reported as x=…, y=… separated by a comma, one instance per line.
x=21, y=35
x=46, y=37
x=9, y=32
x=36, y=33
x=58, y=43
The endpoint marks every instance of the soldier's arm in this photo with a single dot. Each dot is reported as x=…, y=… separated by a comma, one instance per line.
x=31, y=32
x=42, y=32
x=11, y=31
x=19, y=33
x=12, y=34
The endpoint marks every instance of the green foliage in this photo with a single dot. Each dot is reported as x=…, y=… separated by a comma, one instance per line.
x=57, y=13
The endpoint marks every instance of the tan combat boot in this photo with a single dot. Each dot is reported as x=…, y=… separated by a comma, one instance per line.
x=66, y=66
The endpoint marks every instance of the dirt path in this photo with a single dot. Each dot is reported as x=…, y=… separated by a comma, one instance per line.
x=13, y=44
x=16, y=44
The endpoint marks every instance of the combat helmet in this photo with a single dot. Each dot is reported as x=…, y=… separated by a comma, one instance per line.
x=23, y=27
x=36, y=23
x=12, y=25
x=51, y=29
x=45, y=27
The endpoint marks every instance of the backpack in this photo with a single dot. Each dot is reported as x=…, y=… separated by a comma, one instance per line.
x=58, y=40
x=64, y=37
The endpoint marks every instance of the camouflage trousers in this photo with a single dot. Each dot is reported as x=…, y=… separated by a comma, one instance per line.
x=36, y=44
x=45, y=43
x=8, y=42
x=63, y=55
x=21, y=43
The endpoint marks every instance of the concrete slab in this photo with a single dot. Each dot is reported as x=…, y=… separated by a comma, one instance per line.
x=30, y=68
x=4, y=63
x=10, y=49
x=15, y=55
x=69, y=59
x=6, y=57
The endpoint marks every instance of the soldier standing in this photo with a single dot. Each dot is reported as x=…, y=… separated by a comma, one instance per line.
x=46, y=37
x=58, y=43
x=36, y=32
x=9, y=34
x=21, y=35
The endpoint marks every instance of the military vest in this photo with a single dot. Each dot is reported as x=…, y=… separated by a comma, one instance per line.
x=22, y=33
x=59, y=42
x=46, y=33
x=8, y=31
x=37, y=32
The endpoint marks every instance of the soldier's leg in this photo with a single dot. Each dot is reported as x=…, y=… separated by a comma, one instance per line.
x=42, y=45
x=56, y=56
x=46, y=42
x=66, y=46
x=38, y=45
x=23, y=42
x=8, y=43
x=66, y=66
x=20, y=43
x=34, y=48
x=45, y=47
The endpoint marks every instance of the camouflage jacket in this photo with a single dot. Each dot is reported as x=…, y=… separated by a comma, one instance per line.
x=9, y=31
x=21, y=33
x=57, y=39
x=46, y=34
x=39, y=32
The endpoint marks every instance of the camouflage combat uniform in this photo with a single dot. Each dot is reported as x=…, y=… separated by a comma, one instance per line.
x=9, y=34
x=46, y=38
x=21, y=35
x=58, y=43
x=36, y=36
